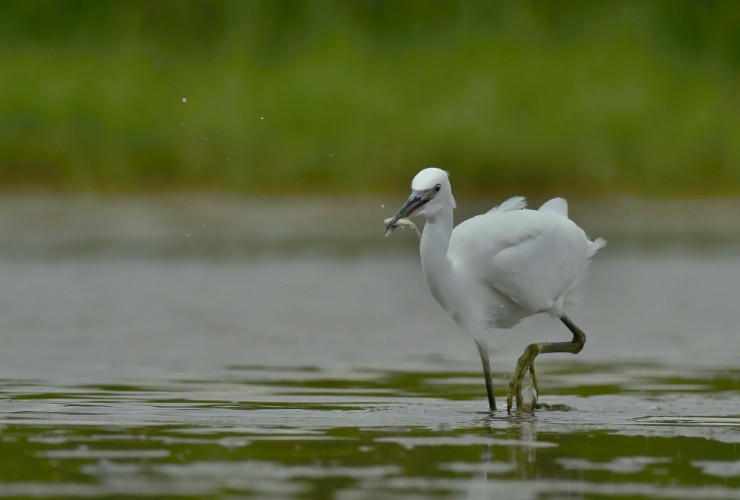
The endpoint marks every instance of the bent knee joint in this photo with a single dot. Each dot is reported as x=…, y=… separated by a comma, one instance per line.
x=534, y=349
x=579, y=346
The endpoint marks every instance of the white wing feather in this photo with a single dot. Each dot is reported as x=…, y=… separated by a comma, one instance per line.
x=533, y=258
x=513, y=203
x=557, y=206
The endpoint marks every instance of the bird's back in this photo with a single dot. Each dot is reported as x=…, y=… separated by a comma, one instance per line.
x=534, y=258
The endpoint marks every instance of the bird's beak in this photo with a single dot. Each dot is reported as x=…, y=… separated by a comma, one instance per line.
x=414, y=202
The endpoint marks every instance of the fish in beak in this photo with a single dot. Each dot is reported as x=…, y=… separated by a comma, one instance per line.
x=414, y=203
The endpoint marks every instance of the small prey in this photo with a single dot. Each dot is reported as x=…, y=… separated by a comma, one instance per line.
x=391, y=226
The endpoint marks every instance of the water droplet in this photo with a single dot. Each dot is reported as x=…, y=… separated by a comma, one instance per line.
x=262, y=117
x=382, y=206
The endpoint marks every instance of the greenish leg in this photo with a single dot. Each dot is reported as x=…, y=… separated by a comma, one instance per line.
x=526, y=361
x=483, y=352
x=533, y=377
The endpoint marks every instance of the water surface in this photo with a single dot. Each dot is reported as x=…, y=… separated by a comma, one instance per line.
x=208, y=347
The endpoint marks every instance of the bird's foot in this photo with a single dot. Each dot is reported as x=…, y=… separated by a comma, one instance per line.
x=525, y=363
x=526, y=398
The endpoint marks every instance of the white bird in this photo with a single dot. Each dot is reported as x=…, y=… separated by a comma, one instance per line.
x=495, y=269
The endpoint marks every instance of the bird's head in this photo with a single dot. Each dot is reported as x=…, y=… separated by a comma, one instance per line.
x=431, y=193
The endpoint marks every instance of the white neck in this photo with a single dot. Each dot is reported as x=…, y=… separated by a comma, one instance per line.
x=437, y=267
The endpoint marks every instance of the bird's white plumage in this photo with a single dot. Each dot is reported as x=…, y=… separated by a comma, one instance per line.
x=557, y=206
x=499, y=267
x=530, y=259
x=513, y=203
x=428, y=178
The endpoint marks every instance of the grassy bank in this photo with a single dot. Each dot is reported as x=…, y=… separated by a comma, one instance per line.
x=316, y=96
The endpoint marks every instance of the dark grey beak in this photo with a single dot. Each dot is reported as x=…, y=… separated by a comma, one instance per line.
x=414, y=202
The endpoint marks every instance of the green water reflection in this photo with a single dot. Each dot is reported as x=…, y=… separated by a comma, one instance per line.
x=390, y=434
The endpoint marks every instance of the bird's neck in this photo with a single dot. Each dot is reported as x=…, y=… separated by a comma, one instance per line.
x=437, y=267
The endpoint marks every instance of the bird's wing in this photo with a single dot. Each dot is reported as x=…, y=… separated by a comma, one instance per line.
x=513, y=203
x=531, y=257
x=557, y=206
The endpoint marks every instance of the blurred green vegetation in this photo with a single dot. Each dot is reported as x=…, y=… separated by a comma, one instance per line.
x=325, y=95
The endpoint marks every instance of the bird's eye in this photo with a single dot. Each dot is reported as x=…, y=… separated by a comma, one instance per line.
x=437, y=188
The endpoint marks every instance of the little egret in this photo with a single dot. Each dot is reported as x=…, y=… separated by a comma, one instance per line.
x=495, y=269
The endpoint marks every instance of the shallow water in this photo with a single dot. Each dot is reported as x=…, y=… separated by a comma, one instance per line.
x=209, y=347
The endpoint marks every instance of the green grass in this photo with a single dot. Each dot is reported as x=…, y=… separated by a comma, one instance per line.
x=329, y=96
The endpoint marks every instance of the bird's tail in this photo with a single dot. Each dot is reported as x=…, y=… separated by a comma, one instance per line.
x=571, y=295
x=594, y=247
